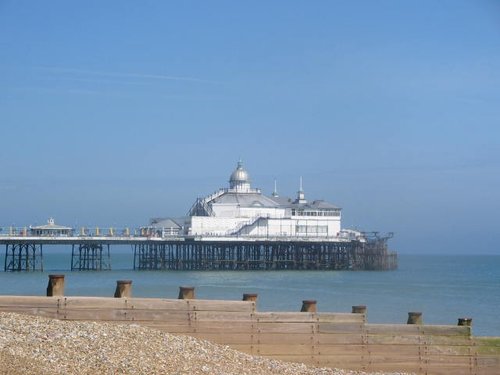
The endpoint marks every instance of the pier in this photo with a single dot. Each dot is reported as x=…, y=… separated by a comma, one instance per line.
x=234, y=228
x=91, y=251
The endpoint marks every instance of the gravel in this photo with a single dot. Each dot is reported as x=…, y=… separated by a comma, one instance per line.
x=36, y=345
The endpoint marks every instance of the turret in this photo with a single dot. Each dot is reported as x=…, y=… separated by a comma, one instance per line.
x=240, y=180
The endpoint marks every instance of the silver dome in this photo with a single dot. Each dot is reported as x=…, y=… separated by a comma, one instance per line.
x=239, y=176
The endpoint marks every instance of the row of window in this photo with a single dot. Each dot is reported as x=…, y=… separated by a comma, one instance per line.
x=314, y=213
x=311, y=229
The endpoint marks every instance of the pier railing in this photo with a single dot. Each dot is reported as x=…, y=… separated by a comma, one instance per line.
x=90, y=250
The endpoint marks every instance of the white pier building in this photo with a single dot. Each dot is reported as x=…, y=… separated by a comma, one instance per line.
x=235, y=228
x=243, y=211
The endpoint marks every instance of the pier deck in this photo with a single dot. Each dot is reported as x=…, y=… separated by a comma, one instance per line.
x=25, y=253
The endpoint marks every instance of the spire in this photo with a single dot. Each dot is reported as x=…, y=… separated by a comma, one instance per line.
x=300, y=194
x=275, y=192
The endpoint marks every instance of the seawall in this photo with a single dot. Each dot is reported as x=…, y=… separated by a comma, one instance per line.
x=342, y=340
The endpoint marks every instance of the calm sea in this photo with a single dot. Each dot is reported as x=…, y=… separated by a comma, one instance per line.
x=444, y=288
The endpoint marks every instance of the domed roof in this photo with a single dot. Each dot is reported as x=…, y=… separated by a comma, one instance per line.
x=240, y=175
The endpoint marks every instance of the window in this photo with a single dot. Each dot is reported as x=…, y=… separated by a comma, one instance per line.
x=311, y=229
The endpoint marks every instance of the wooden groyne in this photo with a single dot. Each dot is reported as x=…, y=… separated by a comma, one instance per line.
x=344, y=340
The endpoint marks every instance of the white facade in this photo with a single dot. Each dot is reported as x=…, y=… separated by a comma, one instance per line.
x=242, y=211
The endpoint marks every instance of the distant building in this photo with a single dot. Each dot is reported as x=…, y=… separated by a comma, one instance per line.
x=243, y=211
x=51, y=230
x=164, y=227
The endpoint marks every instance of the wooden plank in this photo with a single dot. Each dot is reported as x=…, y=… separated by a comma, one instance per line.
x=341, y=318
x=272, y=350
x=225, y=339
x=339, y=338
x=223, y=316
x=451, y=369
x=344, y=361
x=289, y=317
x=454, y=371
x=130, y=303
x=158, y=304
x=390, y=359
x=280, y=338
x=417, y=339
x=95, y=314
x=393, y=329
x=351, y=364
x=224, y=327
x=444, y=350
x=395, y=339
x=161, y=315
x=341, y=350
x=219, y=305
x=400, y=355
x=433, y=359
x=375, y=353
x=286, y=327
x=308, y=317
x=449, y=340
x=340, y=328
x=307, y=359
x=410, y=367
x=183, y=329
x=488, y=361
x=441, y=330
x=28, y=301
x=93, y=303
x=395, y=350
x=221, y=328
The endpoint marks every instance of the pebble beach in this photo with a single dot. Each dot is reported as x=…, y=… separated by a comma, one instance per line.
x=36, y=345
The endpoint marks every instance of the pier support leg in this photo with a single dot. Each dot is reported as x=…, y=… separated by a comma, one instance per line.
x=150, y=256
x=90, y=257
x=23, y=257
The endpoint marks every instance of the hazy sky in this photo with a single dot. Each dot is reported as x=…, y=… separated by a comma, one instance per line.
x=115, y=112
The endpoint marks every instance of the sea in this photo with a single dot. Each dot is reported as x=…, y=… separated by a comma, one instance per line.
x=442, y=287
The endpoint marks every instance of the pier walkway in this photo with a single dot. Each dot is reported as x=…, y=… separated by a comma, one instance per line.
x=90, y=250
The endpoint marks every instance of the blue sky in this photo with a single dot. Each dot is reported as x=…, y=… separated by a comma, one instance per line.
x=115, y=112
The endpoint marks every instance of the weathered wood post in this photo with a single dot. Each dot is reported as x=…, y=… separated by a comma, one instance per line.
x=414, y=318
x=360, y=309
x=250, y=297
x=465, y=322
x=123, y=289
x=308, y=306
x=186, y=292
x=56, y=286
